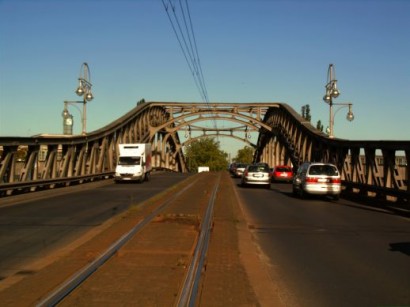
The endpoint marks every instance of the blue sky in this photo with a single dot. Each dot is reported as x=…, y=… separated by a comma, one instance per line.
x=250, y=51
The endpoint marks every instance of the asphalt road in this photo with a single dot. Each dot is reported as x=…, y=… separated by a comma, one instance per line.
x=36, y=225
x=318, y=252
x=326, y=253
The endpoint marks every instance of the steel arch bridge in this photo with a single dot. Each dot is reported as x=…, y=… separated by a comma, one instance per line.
x=371, y=168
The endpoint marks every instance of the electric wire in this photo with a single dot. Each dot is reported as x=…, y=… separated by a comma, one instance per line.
x=187, y=42
x=181, y=45
x=197, y=54
x=194, y=47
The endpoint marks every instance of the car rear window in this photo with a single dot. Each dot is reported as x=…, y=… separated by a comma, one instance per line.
x=283, y=169
x=258, y=168
x=327, y=170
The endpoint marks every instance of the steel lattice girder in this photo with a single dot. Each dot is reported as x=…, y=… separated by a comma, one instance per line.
x=371, y=167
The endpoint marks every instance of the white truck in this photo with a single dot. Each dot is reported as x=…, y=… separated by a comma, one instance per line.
x=133, y=163
x=203, y=169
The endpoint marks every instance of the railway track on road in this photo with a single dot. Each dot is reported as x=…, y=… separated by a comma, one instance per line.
x=193, y=223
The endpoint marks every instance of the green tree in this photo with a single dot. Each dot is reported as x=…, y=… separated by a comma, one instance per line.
x=141, y=101
x=205, y=152
x=245, y=155
x=319, y=125
x=306, y=112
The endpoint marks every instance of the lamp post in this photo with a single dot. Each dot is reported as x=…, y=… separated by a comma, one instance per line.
x=333, y=92
x=67, y=121
x=68, y=118
x=84, y=90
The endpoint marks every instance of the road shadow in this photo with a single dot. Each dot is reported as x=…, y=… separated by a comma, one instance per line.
x=362, y=203
x=253, y=186
x=402, y=247
x=396, y=208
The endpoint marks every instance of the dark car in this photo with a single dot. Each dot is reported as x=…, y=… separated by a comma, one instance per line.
x=232, y=168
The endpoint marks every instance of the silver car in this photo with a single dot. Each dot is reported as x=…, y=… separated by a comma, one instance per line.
x=317, y=179
x=256, y=174
x=240, y=168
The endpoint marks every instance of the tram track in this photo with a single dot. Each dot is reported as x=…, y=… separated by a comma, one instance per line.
x=174, y=209
x=190, y=289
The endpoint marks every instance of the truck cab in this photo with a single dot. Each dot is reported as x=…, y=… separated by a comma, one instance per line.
x=133, y=163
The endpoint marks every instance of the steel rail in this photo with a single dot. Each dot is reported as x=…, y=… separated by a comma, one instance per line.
x=80, y=276
x=189, y=290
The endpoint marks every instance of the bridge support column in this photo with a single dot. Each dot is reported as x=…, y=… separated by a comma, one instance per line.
x=271, y=152
x=155, y=152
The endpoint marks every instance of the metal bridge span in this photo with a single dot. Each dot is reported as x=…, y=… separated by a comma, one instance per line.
x=370, y=168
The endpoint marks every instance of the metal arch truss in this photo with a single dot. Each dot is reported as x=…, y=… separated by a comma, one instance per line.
x=370, y=168
x=377, y=169
x=184, y=116
x=52, y=157
x=216, y=135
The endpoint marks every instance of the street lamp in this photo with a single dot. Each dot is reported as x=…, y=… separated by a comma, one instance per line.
x=67, y=121
x=84, y=90
x=333, y=92
x=68, y=118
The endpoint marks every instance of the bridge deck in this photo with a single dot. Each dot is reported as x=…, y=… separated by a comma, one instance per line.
x=148, y=267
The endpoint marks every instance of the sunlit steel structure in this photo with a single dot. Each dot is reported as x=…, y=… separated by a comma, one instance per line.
x=369, y=168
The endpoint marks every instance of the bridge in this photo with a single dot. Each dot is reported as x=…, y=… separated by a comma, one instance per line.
x=375, y=169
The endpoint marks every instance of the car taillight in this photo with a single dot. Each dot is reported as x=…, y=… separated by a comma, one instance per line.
x=245, y=173
x=322, y=180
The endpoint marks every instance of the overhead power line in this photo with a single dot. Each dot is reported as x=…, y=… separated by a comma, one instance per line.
x=184, y=32
x=194, y=47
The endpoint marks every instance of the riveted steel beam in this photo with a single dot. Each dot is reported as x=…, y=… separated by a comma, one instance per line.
x=371, y=168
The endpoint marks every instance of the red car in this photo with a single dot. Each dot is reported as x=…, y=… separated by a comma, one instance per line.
x=282, y=173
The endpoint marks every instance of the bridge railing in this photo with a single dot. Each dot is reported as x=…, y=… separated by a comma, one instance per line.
x=47, y=160
x=374, y=169
x=42, y=184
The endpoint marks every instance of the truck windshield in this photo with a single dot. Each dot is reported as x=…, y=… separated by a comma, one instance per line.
x=129, y=160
